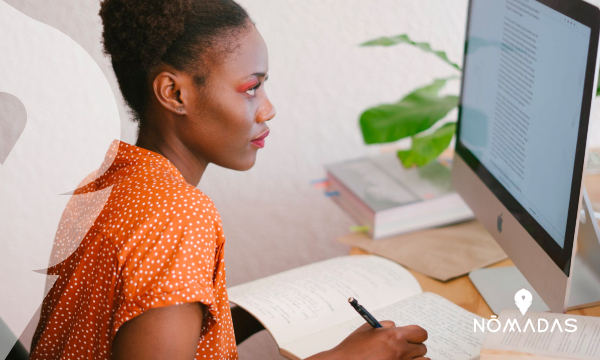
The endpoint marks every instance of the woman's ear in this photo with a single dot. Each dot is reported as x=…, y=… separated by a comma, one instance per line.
x=170, y=90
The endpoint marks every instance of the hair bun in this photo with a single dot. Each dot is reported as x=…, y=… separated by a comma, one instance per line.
x=141, y=30
x=140, y=34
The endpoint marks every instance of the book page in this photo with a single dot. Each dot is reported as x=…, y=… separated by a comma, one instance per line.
x=582, y=344
x=449, y=328
x=302, y=301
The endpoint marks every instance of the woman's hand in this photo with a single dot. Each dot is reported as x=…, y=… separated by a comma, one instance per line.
x=387, y=343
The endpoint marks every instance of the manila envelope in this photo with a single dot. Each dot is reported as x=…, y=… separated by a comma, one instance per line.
x=442, y=253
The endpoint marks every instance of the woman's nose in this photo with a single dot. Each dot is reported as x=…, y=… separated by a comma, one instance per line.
x=266, y=112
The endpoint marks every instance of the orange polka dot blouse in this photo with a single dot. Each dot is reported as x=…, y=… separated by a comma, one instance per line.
x=156, y=241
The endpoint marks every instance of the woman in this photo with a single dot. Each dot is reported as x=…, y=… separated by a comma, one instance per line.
x=148, y=279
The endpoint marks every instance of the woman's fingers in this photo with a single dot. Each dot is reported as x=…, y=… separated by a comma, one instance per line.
x=417, y=350
x=388, y=323
x=414, y=334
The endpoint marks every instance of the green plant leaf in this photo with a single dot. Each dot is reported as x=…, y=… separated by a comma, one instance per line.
x=428, y=147
x=416, y=112
x=404, y=39
x=598, y=89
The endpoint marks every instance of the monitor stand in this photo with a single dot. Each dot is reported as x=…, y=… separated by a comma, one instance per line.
x=498, y=285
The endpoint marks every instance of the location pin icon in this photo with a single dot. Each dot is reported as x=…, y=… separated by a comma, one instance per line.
x=13, y=117
x=523, y=300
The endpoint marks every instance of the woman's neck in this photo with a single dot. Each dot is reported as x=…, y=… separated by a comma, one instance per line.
x=170, y=146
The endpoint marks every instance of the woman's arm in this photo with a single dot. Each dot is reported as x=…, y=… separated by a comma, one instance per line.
x=169, y=332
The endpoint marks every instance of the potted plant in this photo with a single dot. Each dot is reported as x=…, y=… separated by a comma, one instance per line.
x=414, y=115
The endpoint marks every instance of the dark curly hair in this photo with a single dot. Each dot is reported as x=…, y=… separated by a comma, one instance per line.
x=141, y=34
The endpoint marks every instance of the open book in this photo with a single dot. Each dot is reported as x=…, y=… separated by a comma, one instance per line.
x=306, y=309
x=543, y=340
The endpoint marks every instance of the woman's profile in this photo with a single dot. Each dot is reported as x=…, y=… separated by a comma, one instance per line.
x=148, y=279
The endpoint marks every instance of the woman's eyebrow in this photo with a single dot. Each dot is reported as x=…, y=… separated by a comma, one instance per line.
x=259, y=74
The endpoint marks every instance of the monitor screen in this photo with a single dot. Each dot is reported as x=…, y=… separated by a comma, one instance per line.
x=521, y=106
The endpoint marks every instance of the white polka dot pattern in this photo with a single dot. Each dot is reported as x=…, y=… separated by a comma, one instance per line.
x=158, y=241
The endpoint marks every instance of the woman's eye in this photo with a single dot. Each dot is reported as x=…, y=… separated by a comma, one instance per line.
x=252, y=91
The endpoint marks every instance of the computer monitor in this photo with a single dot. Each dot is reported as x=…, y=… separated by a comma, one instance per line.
x=529, y=78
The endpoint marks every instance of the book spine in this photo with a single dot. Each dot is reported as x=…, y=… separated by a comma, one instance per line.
x=351, y=204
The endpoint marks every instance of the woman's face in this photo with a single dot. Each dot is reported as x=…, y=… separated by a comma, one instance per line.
x=226, y=122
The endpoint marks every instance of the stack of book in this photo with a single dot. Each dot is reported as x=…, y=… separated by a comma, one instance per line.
x=387, y=199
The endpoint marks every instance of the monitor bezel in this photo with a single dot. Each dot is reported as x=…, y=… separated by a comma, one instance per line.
x=586, y=14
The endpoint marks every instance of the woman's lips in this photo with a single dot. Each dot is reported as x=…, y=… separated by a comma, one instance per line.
x=259, y=142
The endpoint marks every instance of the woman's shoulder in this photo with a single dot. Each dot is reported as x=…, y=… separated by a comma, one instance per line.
x=160, y=198
x=158, y=211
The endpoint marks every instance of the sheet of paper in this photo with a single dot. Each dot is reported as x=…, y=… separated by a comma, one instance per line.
x=299, y=302
x=582, y=344
x=449, y=327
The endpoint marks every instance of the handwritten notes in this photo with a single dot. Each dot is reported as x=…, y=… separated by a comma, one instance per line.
x=299, y=302
x=306, y=309
x=449, y=327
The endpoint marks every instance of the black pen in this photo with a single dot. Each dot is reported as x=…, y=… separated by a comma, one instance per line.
x=364, y=313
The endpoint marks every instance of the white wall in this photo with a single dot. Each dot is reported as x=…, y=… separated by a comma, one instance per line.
x=320, y=80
